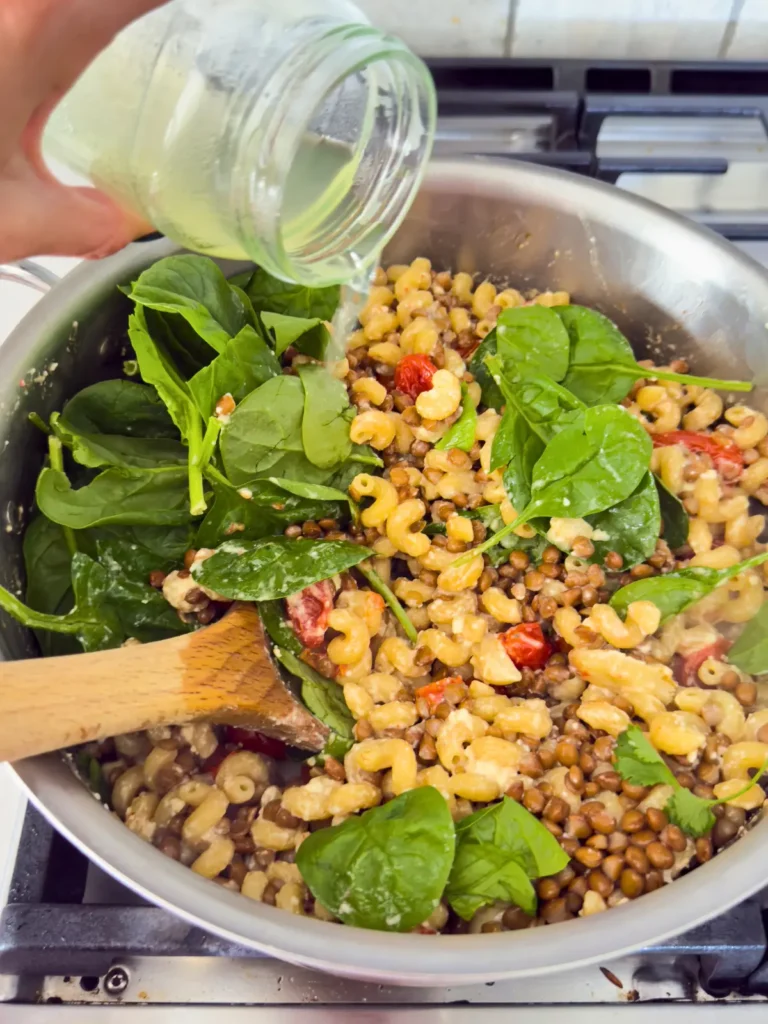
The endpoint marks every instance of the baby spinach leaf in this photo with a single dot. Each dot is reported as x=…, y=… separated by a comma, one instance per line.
x=157, y=369
x=461, y=434
x=518, y=448
x=326, y=417
x=384, y=869
x=482, y=874
x=178, y=340
x=512, y=828
x=673, y=516
x=151, y=497
x=546, y=407
x=141, y=610
x=195, y=288
x=602, y=366
x=309, y=336
x=95, y=450
x=245, y=363
x=47, y=563
x=532, y=339
x=632, y=526
x=268, y=511
x=276, y=296
x=275, y=567
x=750, y=652
x=584, y=469
x=323, y=697
x=119, y=407
x=263, y=436
x=491, y=395
x=280, y=631
x=678, y=590
x=139, y=549
x=381, y=588
x=313, y=492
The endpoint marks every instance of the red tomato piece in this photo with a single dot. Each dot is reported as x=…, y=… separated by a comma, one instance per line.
x=433, y=693
x=413, y=374
x=256, y=742
x=309, y=610
x=526, y=645
x=689, y=670
x=721, y=454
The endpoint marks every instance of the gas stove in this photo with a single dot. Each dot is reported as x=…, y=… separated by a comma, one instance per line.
x=77, y=946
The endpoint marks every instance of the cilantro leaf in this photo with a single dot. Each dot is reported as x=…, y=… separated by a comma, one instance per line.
x=638, y=761
x=690, y=812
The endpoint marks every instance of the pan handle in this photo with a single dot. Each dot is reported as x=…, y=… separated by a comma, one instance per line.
x=30, y=274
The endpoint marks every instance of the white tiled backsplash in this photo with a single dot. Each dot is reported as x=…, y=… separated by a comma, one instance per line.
x=640, y=29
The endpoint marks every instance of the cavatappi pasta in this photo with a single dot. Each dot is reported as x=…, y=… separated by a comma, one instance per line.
x=457, y=710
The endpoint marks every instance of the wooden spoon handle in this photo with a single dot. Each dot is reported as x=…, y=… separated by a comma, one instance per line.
x=222, y=673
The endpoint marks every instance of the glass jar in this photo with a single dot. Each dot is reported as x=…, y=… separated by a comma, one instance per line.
x=291, y=133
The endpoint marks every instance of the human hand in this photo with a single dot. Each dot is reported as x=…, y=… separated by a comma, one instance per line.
x=44, y=46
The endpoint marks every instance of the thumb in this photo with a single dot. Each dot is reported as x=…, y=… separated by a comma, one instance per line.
x=46, y=218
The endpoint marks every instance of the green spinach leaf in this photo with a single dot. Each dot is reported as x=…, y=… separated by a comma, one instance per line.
x=195, y=288
x=270, y=508
x=482, y=874
x=673, y=516
x=632, y=526
x=602, y=366
x=532, y=339
x=269, y=293
x=280, y=630
x=309, y=336
x=178, y=340
x=678, y=590
x=323, y=697
x=264, y=438
x=139, y=549
x=152, y=498
x=461, y=434
x=386, y=868
x=750, y=652
x=245, y=363
x=48, y=569
x=518, y=449
x=584, y=469
x=326, y=417
x=515, y=830
x=491, y=395
x=546, y=407
x=95, y=450
x=119, y=407
x=275, y=567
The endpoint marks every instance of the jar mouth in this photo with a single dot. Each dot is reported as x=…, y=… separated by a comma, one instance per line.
x=348, y=145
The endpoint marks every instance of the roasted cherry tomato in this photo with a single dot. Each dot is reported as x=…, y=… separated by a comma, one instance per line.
x=728, y=454
x=309, y=610
x=526, y=645
x=256, y=742
x=433, y=693
x=413, y=374
x=689, y=668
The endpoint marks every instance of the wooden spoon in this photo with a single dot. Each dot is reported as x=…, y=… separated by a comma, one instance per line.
x=223, y=673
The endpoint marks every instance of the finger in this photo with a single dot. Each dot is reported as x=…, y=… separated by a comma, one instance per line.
x=41, y=218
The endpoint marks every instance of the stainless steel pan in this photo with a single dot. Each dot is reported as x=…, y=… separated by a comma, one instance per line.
x=673, y=287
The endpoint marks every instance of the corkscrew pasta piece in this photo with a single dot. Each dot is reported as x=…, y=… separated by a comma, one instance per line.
x=451, y=652
x=718, y=708
x=372, y=427
x=416, y=277
x=678, y=732
x=205, y=817
x=395, y=654
x=419, y=336
x=749, y=801
x=215, y=859
x=604, y=717
x=492, y=664
x=617, y=672
x=455, y=578
x=711, y=507
x=139, y=816
x=458, y=730
x=663, y=411
x=378, y=754
x=669, y=462
x=442, y=399
x=755, y=723
x=349, y=648
x=366, y=605
x=382, y=491
x=503, y=608
x=400, y=532
x=708, y=407
x=126, y=788
x=751, y=426
x=527, y=718
x=642, y=620
x=740, y=758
